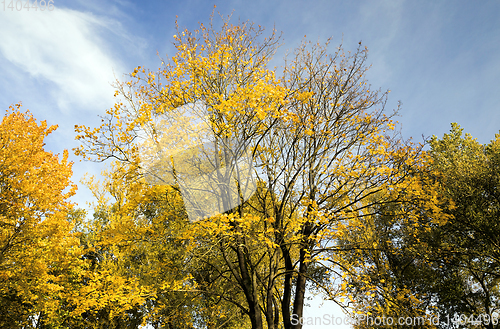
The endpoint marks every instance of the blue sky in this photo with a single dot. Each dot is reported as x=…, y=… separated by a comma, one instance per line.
x=441, y=59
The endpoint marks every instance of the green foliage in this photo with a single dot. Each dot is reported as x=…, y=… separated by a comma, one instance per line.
x=469, y=244
x=442, y=269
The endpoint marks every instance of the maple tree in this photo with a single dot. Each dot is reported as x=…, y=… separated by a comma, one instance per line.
x=324, y=157
x=35, y=244
x=135, y=235
x=46, y=280
x=235, y=50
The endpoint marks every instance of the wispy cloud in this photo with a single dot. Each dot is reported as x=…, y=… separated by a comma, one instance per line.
x=64, y=47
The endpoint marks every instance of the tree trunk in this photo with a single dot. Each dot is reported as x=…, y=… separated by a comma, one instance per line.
x=300, y=290
x=300, y=287
x=249, y=281
x=287, y=289
x=272, y=317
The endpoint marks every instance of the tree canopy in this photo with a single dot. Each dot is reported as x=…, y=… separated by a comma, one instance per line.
x=35, y=244
x=233, y=189
x=324, y=151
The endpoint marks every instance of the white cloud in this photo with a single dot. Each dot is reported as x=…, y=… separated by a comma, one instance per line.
x=64, y=47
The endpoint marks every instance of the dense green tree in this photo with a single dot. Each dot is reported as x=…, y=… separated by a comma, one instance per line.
x=468, y=246
x=450, y=270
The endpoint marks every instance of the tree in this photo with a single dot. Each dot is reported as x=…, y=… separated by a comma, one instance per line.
x=444, y=271
x=468, y=245
x=46, y=277
x=232, y=70
x=388, y=265
x=36, y=247
x=321, y=145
